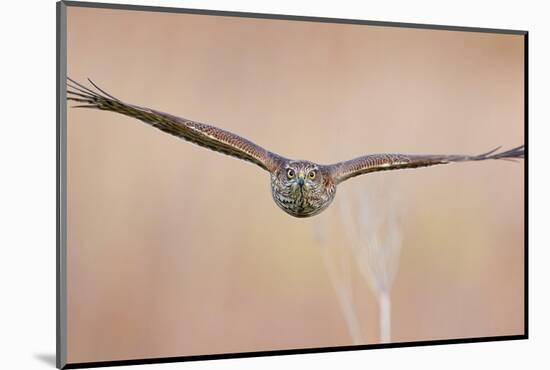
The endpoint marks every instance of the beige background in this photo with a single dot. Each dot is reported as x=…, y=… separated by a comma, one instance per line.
x=175, y=250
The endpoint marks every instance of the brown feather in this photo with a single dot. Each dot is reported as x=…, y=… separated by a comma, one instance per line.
x=199, y=133
x=383, y=162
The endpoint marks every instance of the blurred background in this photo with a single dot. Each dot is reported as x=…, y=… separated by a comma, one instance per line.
x=175, y=250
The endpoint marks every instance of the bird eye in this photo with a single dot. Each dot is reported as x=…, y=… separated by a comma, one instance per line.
x=290, y=173
x=311, y=175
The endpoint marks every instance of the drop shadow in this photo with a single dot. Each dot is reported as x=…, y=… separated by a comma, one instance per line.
x=47, y=358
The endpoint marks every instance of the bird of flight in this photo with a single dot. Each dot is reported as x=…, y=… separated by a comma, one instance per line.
x=301, y=188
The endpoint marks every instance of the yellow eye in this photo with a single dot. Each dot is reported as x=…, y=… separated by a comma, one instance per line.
x=290, y=173
x=311, y=175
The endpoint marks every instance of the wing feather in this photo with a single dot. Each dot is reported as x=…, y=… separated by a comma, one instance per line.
x=198, y=133
x=389, y=161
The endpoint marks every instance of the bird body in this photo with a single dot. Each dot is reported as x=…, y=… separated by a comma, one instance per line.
x=301, y=188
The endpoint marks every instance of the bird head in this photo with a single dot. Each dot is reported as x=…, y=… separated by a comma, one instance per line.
x=301, y=176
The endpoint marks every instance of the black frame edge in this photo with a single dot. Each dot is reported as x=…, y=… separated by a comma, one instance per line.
x=526, y=183
x=149, y=361
x=61, y=186
x=286, y=17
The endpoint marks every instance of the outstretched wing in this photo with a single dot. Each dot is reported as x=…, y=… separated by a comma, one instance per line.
x=199, y=133
x=384, y=162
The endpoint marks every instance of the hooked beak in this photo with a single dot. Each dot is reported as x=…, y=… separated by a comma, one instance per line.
x=301, y=177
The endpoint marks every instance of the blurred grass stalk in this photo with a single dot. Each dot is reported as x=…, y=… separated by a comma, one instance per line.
x=340, y=276
x=372, y=226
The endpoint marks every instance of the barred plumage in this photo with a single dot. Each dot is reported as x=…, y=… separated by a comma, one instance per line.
x=300, y=188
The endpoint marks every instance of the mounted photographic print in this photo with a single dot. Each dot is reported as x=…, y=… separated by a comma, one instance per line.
x=236, y=184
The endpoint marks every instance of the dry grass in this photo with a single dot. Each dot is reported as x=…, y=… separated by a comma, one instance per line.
x=370, y=218
x=338, y=268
